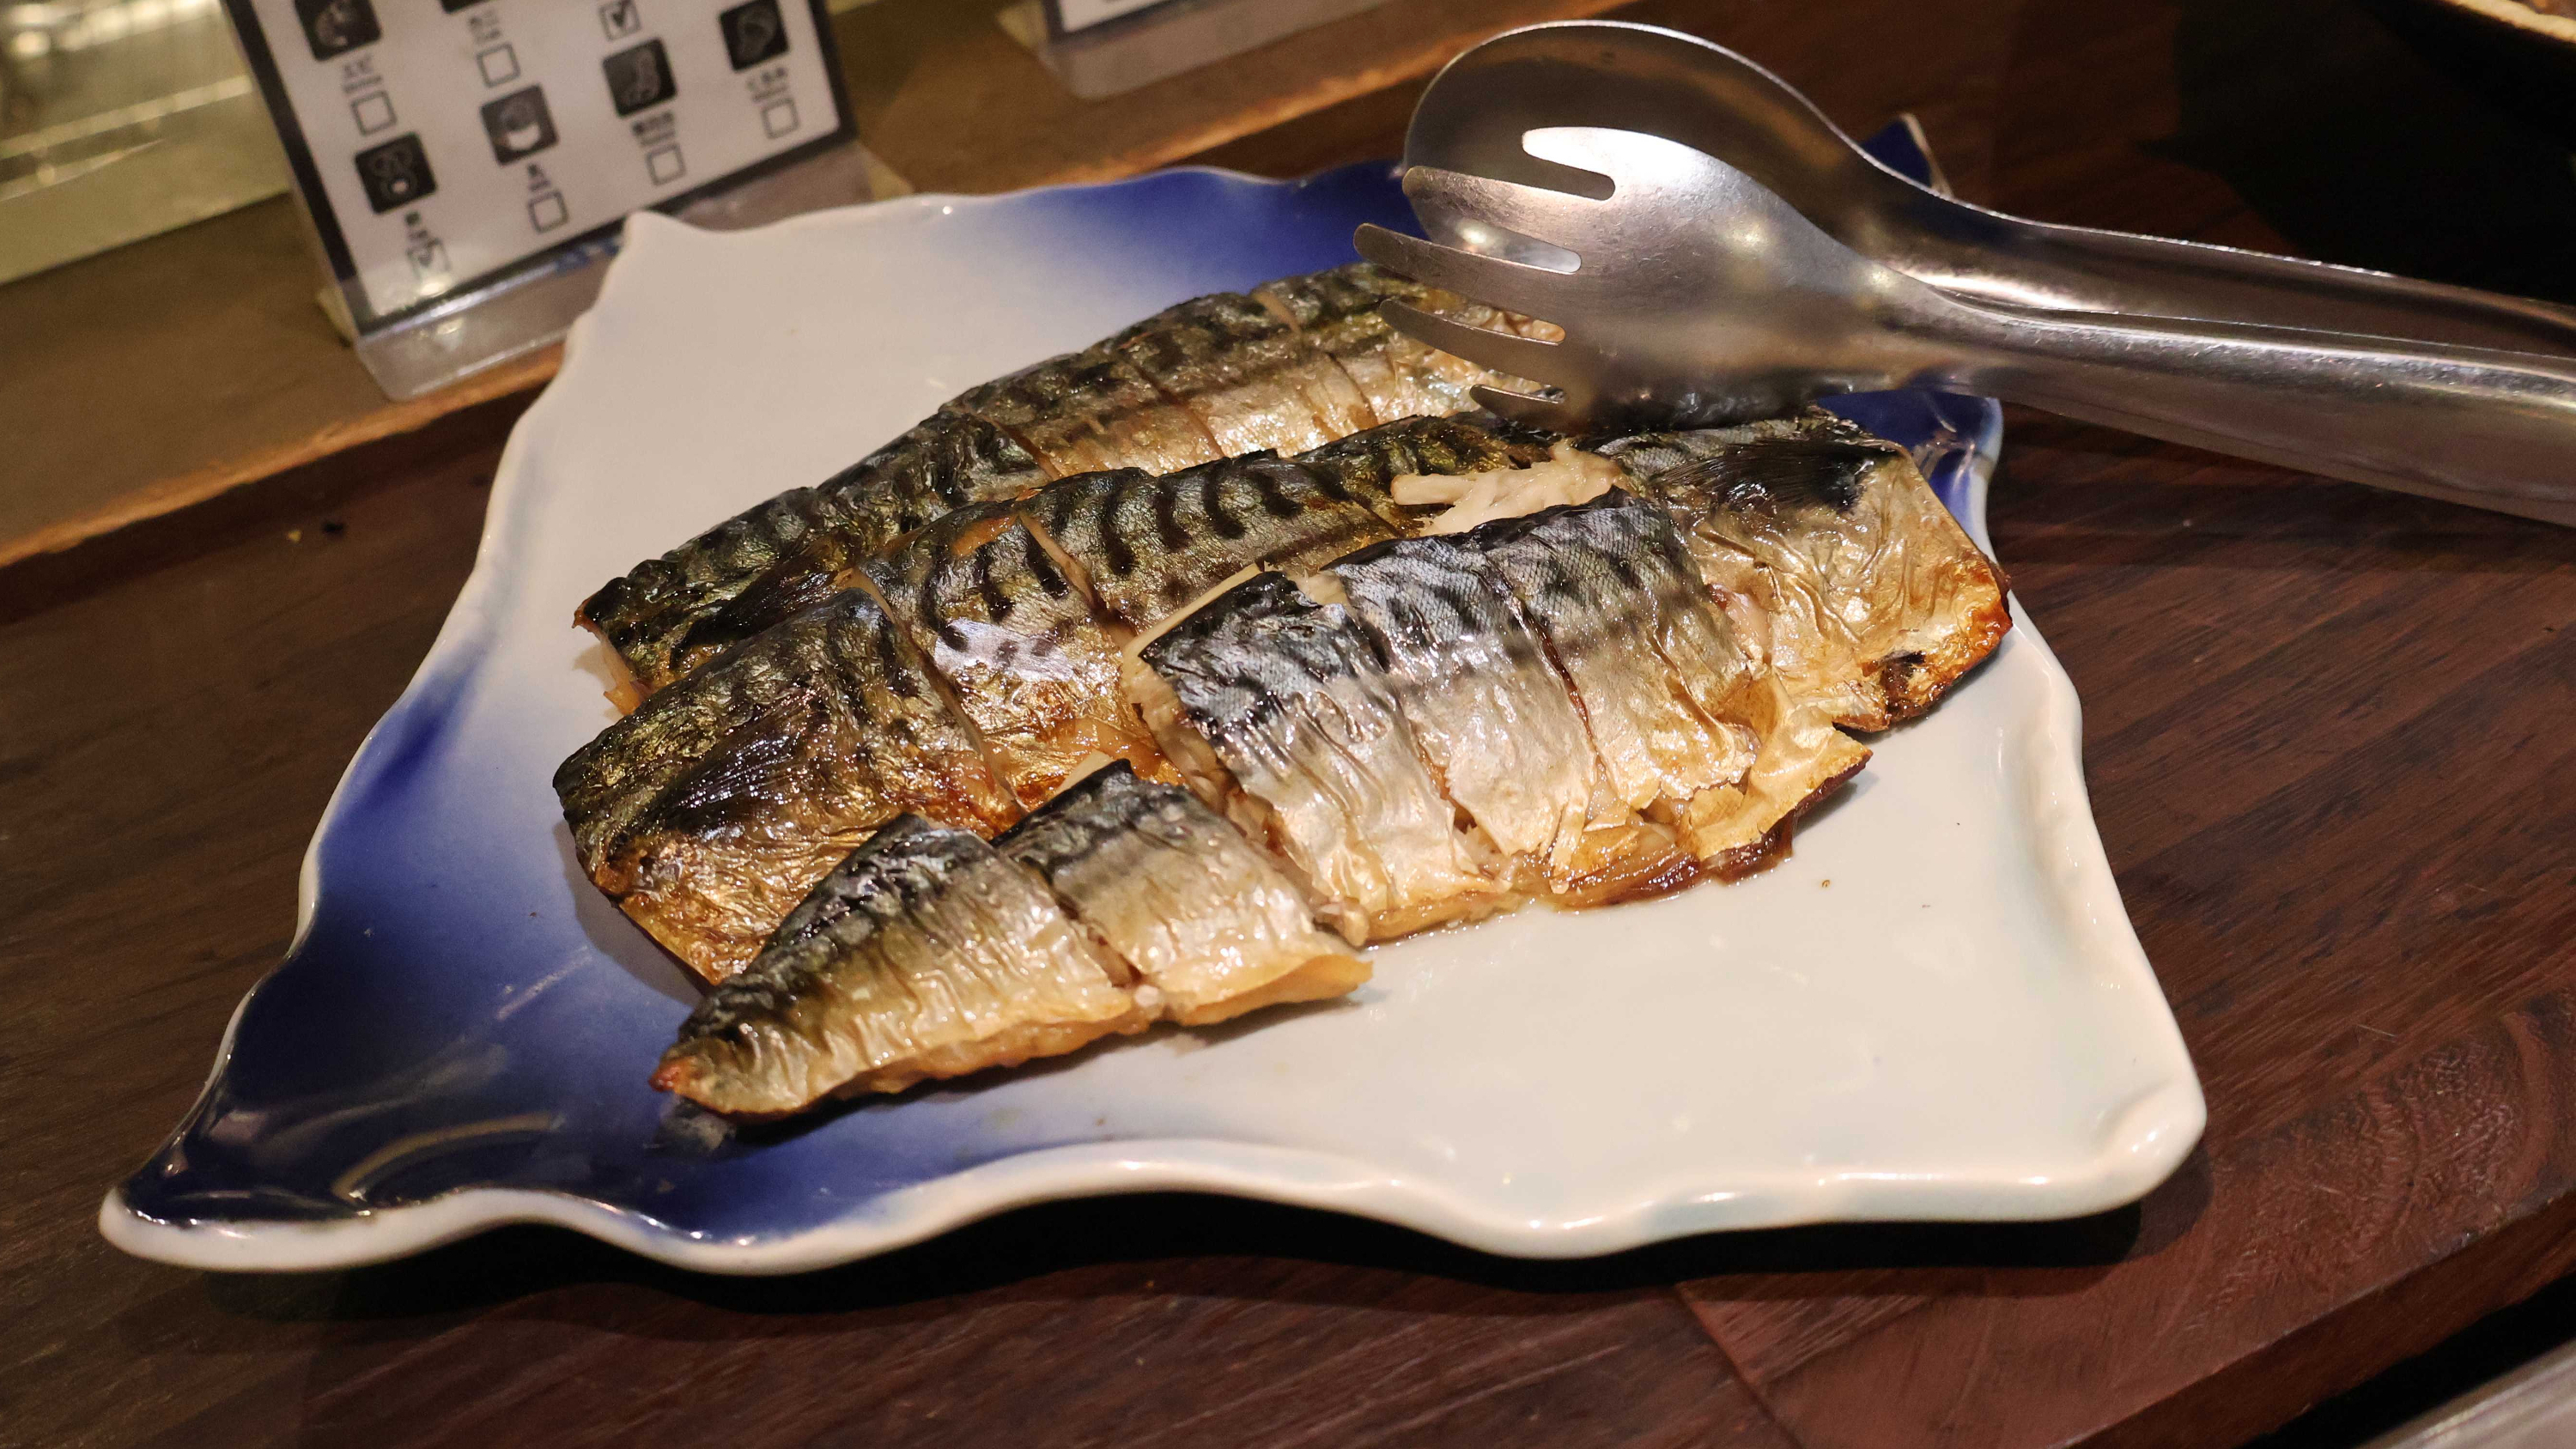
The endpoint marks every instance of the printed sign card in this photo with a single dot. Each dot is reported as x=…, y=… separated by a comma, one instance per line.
x=443, y=146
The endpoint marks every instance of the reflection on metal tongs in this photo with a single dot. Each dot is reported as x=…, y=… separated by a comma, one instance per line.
x=1564, y=171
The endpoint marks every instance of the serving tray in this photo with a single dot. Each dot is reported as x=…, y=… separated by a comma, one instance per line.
x=1935, y=1008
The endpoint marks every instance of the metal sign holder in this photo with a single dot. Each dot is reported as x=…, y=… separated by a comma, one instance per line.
x=465, y=169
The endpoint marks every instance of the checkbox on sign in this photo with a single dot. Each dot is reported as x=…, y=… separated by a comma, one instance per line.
x=664, y=164
x=500, y=64
x=376, y=112
x=778, y=118
x=547, y=211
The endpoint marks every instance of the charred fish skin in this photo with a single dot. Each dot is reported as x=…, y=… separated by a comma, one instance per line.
x=708, y=813
x=668, y=615
x=923, y=954
x=1276, y=711
x=1176, y=893
x=1092, y=410
x=1212, y=376
x=1876, y=599
x=1149, y=546
x=1253, y=381
x=1029, y=662
x=1655, y=667
x=1494, y=719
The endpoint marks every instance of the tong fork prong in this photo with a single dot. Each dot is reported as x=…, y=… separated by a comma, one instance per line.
x=1504, y=352
x=1512, y=286
x=1552, y=414
x=1570, y=223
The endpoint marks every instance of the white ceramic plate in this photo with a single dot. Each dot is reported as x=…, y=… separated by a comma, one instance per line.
x=1934, y=1009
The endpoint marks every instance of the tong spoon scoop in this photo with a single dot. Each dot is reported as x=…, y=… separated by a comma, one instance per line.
x=1689, y=294
x=1664, y=83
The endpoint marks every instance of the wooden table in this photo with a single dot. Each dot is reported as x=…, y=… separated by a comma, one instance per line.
x=2328, y=738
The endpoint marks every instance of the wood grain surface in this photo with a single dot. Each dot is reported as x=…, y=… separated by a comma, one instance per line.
x=2327, y=737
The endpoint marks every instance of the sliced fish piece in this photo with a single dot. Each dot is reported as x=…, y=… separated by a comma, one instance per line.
x=1659, y=673
x=1801, y=759
x=1090, y=410
x=1493, y=718
x=709, y=812
x=1875, y=599
x=666, y=616
x=1398, y=376
x=1386, y=463
x=1149, y=546
x=923, y=954
x=1278, y=713
x=1212, y=376
x=1028, y=660
x=1212, y=927
x=1252, y=380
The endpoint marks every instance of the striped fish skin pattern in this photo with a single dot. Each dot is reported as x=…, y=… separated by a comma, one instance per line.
x=1212, y=927
x=1089, y=410
x=1280, y=713
x=922, y=954
x=1872, y=599
x=1029, y=659
x=1210, y=378
x=1591, y=702
x=1251, y=379
x=928, y=953
x=1011, y=619
x=1398, y=376
x=709, y=812
x=1495, y=721
x=1148, y=547
x=669, y=615
x=1626, y=616
x=1017, y=614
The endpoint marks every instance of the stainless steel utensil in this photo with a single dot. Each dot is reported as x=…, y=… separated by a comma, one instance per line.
x=1661, y=82
x=1693, y=294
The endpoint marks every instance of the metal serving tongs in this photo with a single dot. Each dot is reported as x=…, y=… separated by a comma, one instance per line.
x=1690, y=292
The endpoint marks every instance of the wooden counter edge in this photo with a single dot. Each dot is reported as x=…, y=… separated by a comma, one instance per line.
x=521, y=375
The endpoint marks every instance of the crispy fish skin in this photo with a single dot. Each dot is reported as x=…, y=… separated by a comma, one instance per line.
x=1148, y=546
x=1213, y=928
x=1495, y=721
x=1661, y=678
x=1252, y=380
x=923, y=954
x=1027, y=659
x=1876, y=600
x=1212, y=376
x=710, y=811
x=1277, y=713
x=1400, y=378
x=1373, y=465
x=668, y=615
x=1090, y=410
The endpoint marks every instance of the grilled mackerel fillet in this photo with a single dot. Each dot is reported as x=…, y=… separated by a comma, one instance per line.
x=929, y=953
x=1873, y=599
x=1678, y=724
x=1285, y=368
x=708, y=813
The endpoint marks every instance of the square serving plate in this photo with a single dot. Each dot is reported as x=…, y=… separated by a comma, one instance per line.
x=1935, y=1008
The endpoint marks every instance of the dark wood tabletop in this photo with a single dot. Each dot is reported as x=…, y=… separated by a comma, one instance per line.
x=2328, y=733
